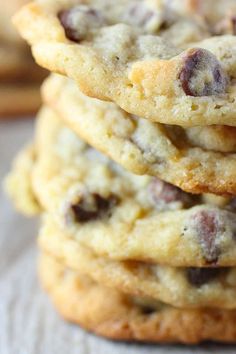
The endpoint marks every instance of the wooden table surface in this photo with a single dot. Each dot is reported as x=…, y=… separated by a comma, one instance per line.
x=28, y=322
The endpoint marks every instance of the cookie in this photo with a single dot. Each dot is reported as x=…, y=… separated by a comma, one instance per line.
x=24, y=198
x=115, y=213
x=188, y=287
x=114, y=55
x=18, y=99
x=194, y=159
x=179, y=287
x=224, y=11
x=121, y=317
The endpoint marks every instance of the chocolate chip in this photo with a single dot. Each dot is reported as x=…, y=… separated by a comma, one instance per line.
x=78, y=20
x=163, y=192
x=201, y=276
x=147, y=310
x=70, y=32
x=92, y=207
x=202, y=74
x=208, y=227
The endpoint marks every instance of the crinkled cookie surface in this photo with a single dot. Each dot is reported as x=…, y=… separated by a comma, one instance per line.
x=123, y=53
x=122, y=215
x=81, y=300
x=197, y=159
x=179, y=286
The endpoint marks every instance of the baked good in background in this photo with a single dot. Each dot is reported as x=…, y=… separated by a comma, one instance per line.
x=20, y=77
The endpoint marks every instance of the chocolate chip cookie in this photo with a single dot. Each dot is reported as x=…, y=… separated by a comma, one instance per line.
x=190, y=287
x=193, y=159
x=218, y=14
x=115, y=213
x=115, y=55
x=114, y=315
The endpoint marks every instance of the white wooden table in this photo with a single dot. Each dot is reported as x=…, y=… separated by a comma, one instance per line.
x=28, y=322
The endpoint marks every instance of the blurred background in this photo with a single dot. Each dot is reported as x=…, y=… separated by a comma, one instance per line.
x=20, y=77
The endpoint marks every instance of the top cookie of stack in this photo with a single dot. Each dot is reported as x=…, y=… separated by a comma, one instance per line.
x=146, y=56
x=19, y=76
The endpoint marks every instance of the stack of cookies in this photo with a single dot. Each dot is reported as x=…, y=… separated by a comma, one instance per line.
x=133, y=165
x=19, y=76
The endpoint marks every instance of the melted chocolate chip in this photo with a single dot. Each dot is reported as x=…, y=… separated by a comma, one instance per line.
x=147, y=310
x=70, y=31
x=208, y=227
x=202, y=74
x=89, y=210
x=78, y=20
x=165, y=192
x=201, y=276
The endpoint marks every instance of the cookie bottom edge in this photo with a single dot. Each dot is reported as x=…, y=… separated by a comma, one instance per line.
x=113, y=315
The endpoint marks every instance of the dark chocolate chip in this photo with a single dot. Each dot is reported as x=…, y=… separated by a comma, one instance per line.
x=201, y=276
x=70, y=31
x=147, y=310
x=78, y=20
x=93, y=208
x=208, y=226
x=202, y=74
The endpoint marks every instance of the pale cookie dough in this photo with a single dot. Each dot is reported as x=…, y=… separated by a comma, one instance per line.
x=18, y=183
x=124, y=216
x=180, y=287
x=197, y=159
x=112, y=314
x=115, y=56
x=218, y=14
